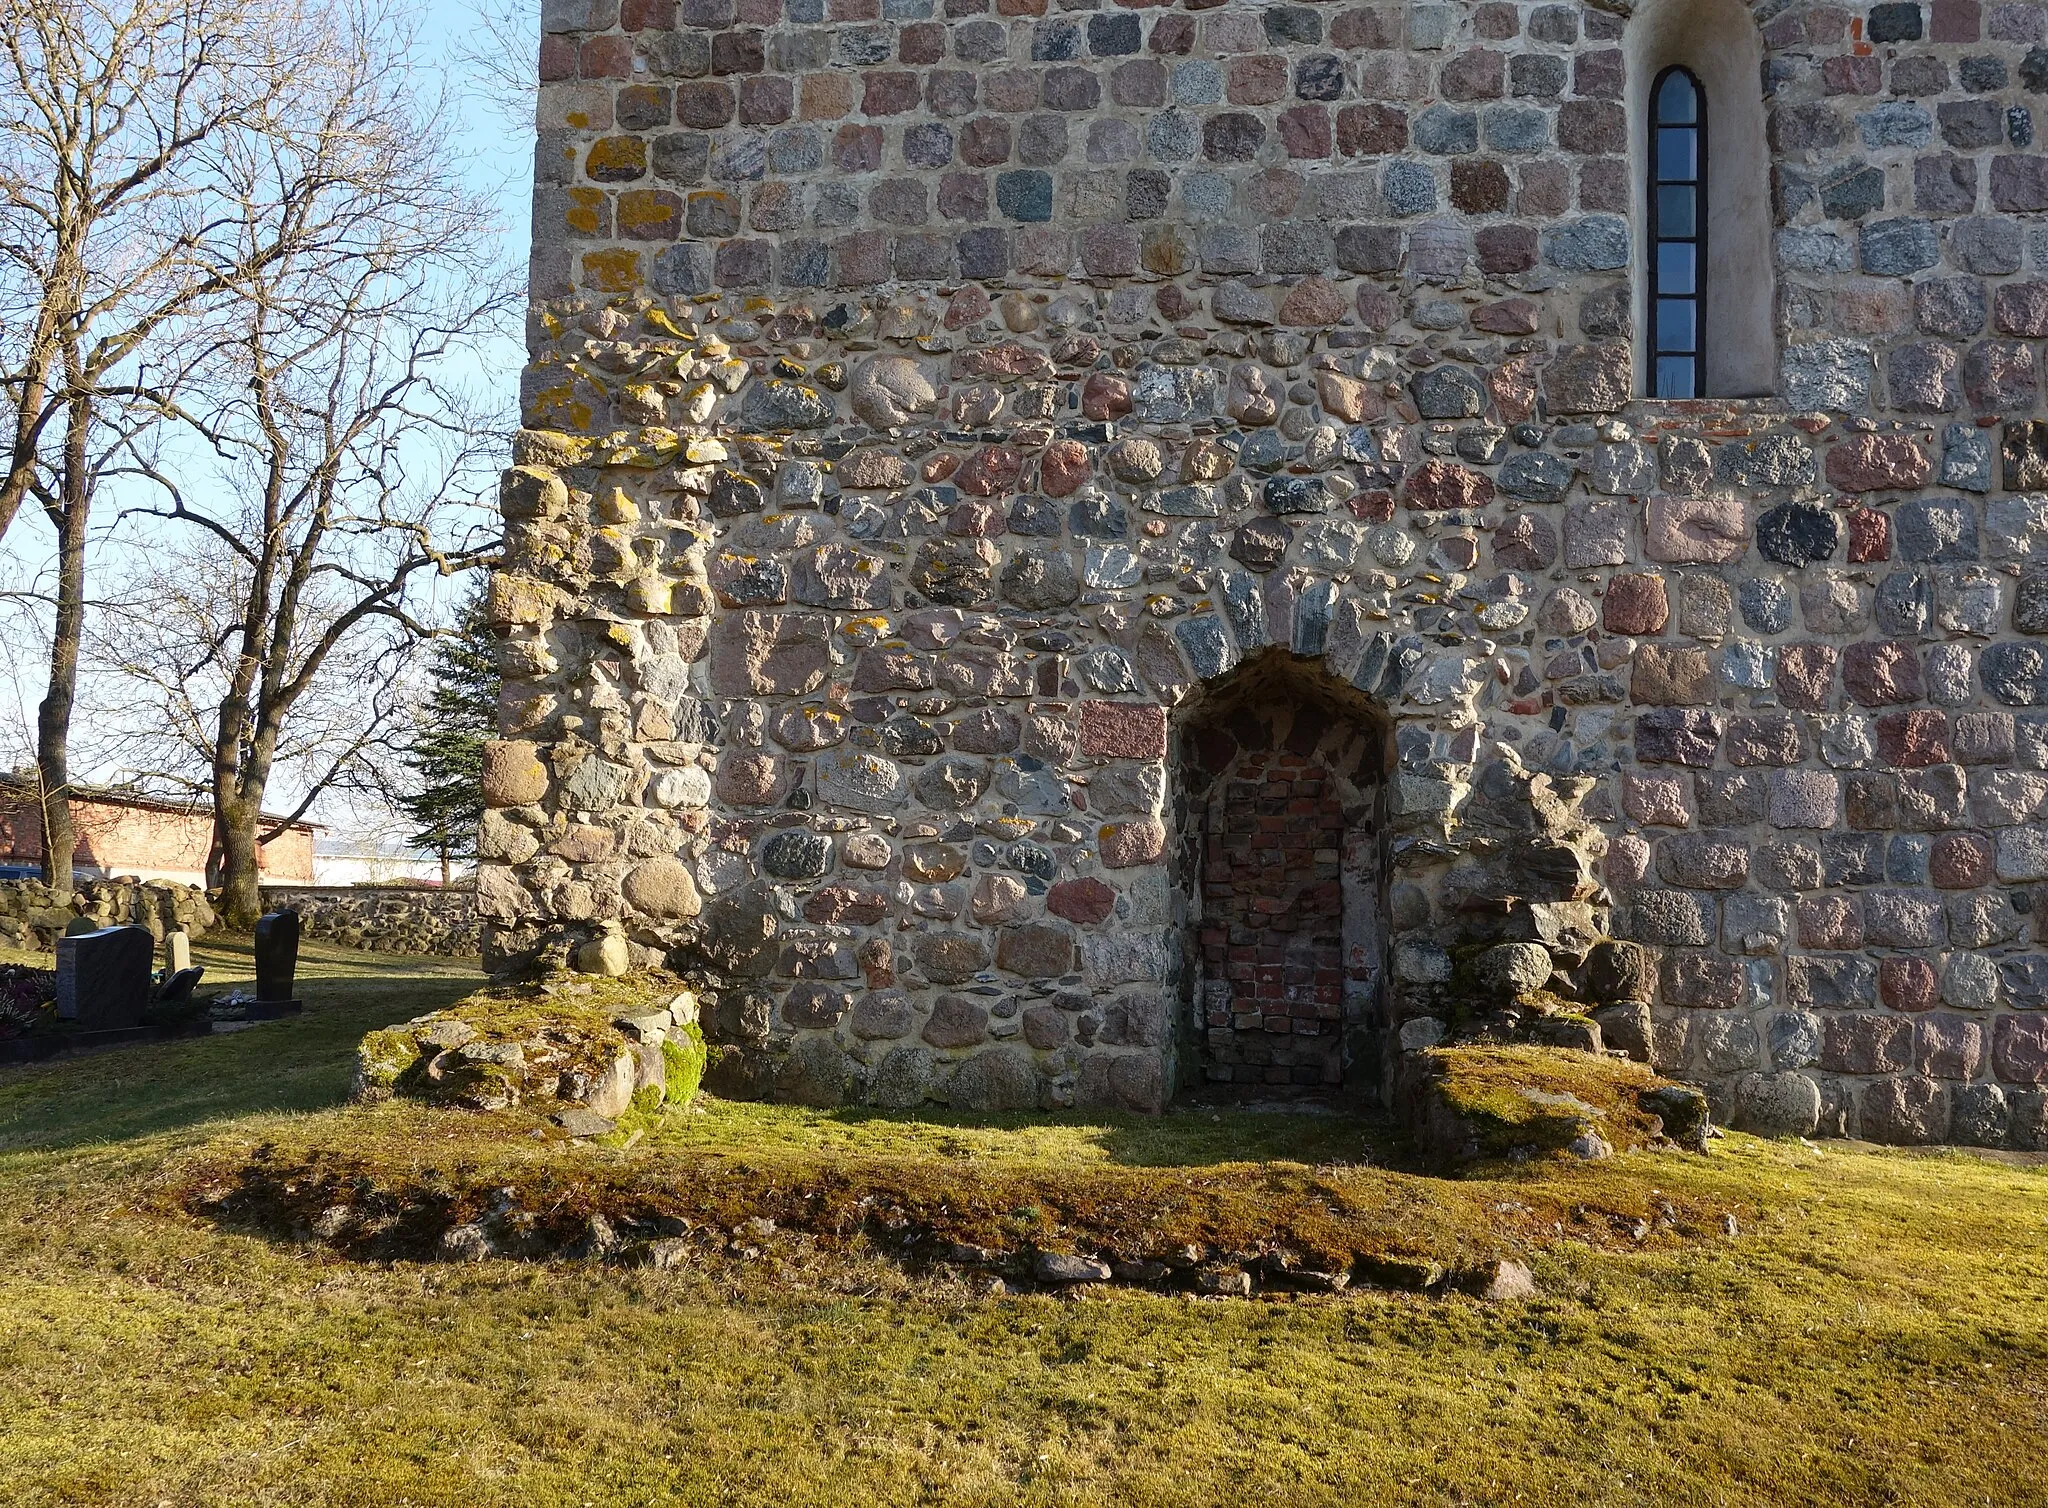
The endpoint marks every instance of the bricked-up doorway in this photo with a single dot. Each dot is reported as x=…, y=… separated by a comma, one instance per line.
x=1282, y=866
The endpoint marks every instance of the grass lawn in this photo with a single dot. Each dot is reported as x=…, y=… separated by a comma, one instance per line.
x=1877, y=1331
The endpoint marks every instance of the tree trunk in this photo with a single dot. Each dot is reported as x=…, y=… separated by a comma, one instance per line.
x=53, y=717
x=444, y=866
x=241, y=891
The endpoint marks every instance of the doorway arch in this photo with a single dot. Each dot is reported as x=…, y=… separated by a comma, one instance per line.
x=1281, y=857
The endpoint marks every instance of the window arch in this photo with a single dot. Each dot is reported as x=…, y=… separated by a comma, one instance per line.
x=1715, y=48
x=1678, y=235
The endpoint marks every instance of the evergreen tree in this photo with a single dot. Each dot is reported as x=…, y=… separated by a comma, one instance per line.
x=446, y=754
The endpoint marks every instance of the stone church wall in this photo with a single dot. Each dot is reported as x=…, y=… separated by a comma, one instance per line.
x=933, y=404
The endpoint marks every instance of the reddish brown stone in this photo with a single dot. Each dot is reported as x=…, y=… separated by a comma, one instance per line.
x=1313, y=302
x=1867, y=1043
x=1063, y=468
x=1883, y=674
x=814, y=1005
x=1478, y=74
x=1305, y=132
x=1876, y=463
x=1696, y=982
x=842, y=904
x=1961, y=861
x=1445, y=484
x=1870, y=801
x=2019, y=1047
x=1806, y=675
x=1907, y=984
x=1913, y=740
x=749, y=779
x=1951, y=1046
x=1505, y=249
x=873, y=468
x=1771, y=739
x=1635, y=605
x=857, y=149
x=1123, y=730
x=955, y=1021
x=2022, y=309
x=581, y=843
x=990, y=472
x=1105, y=396
x=1666, y=676
x=1510, y=316
x=1479, y=186
x=1036, y=952
x=1525, y=542
x=1086, y=901
x=1257, y=80
x=1590, y=379
x=1371, y=130
x=1870, y=537
x=966, y=307
x=1694, y=530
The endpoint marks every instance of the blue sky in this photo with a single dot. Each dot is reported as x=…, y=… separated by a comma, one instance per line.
x=492, y=137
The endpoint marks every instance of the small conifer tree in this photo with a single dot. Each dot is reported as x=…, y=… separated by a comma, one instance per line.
x=446, y=752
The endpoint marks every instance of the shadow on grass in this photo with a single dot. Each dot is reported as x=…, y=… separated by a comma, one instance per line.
x=305, y=1063
x=302, y=1063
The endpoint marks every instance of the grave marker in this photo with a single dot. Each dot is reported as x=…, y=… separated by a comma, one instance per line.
x=103, y=977
x=277, y=959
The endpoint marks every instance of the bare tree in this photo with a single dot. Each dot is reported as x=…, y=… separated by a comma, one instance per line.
x=126, y=131
x=496, y=49
x=347, y=460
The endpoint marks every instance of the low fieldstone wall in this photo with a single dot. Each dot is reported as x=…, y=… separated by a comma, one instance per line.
x=385, y=918
x=32, y=915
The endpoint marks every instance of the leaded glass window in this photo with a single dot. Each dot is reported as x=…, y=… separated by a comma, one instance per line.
x=1678, y=234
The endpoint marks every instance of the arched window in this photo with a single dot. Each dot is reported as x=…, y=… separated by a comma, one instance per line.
x=1704, y=275
x=1678, y=235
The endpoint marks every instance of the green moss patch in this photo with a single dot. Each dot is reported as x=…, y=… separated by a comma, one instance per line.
x=502, y=1047
x=1486, y=1102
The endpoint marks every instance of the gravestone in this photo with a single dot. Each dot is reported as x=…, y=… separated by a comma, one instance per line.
x=178, y=986
x=103, y=977
x=277, y=958
x=177, y=952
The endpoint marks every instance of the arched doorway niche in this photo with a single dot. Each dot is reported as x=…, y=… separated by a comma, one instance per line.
x=1282, y=856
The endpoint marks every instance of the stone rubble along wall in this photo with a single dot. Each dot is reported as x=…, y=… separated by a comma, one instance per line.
x=34, y=916
x=386, y=918
x=924, y=399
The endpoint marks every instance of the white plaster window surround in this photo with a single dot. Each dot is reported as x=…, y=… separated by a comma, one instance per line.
x=1718, y=42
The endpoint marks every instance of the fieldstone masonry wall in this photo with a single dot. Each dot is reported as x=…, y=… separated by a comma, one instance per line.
x=385, y=918
x=929, y=398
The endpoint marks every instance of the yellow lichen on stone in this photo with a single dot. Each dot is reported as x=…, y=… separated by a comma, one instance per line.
x=585, y=214
x=611, y=271
x=653, y=595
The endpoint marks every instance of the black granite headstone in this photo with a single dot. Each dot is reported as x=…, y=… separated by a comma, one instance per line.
x=104, y=977
x=277, y=956
x=178, y=987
